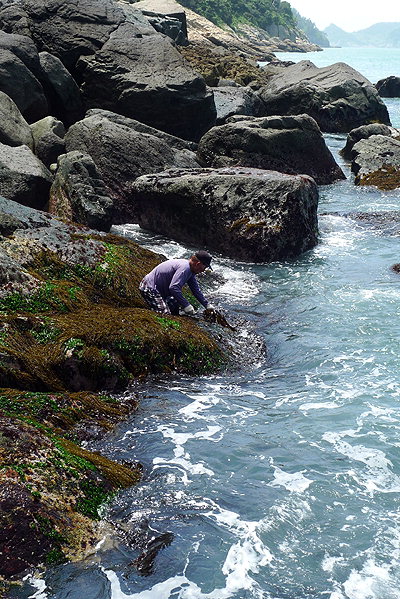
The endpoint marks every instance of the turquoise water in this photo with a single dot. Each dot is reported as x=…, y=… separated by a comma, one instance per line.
x=281, y=478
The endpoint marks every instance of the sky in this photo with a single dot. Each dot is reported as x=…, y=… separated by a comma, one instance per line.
x=350, y=15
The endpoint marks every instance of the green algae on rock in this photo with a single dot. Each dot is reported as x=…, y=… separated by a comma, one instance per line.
x=72, y=317
x=72, y=323
x=51, y=491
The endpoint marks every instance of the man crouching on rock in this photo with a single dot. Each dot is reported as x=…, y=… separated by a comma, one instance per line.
x=162, y=287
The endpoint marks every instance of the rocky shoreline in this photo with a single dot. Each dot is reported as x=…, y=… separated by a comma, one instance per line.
x=114, y=113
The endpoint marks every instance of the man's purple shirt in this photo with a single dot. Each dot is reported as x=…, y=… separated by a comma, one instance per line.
x=169, y=277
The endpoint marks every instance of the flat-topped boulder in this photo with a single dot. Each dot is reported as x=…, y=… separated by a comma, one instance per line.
x=376, y=161
x=288, y=144
x=389, y=87
x=338, y=97
x=123, y=149
x=248, y=214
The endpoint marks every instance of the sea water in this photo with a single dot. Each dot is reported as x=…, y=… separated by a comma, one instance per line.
x=279, y=479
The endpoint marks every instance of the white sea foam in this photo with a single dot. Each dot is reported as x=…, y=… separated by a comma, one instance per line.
x=39, y=584
x=326, y=405
x=378, y=475
x=244, y=558
x=295, y=482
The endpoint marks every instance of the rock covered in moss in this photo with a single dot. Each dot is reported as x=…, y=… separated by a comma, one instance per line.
x=71, y=314
x=249, y=214
x=376, y=161
x=50, y=493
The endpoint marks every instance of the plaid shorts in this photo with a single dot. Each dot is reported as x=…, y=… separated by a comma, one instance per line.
x=156, y=302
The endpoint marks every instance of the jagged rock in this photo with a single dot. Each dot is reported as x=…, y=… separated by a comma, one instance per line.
x=72, y=29
x=167, y=17
x=13, y=18
x=23, y=178
x=248, y=214
x=61, y=89
x=389, y=87
x=14, y=130
x=48, y=124
x=145, y=78
x=230, y=100
x=376, y=161
x=19, y=72
x=292, y=145
x=78, y=194
x=363, y=132
x=122, y=150
x=337, y=97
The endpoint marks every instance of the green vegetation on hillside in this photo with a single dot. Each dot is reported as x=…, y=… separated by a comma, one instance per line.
x=312, y=32
x=262, y=13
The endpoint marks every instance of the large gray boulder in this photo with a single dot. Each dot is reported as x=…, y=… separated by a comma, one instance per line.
x=23, y=178
x=70, y=29
x=337, y=96
x=248, y=214
x=363, y=132
x=292, y=145
x=376, y=161
x=121, y=154
x=144, y=77
x=232, y=100
x=78, y=193
x=14, y=130
x=62, y=92
x=389, y=87
x=20, y=74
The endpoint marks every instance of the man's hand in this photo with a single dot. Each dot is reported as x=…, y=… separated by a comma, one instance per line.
x=210, y=307
x=189, y=310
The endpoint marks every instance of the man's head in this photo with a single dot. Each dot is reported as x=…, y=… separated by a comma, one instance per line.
x=200, y=261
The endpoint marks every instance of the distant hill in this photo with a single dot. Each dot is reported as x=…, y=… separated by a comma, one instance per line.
x=310, y=29
x=380, y=35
